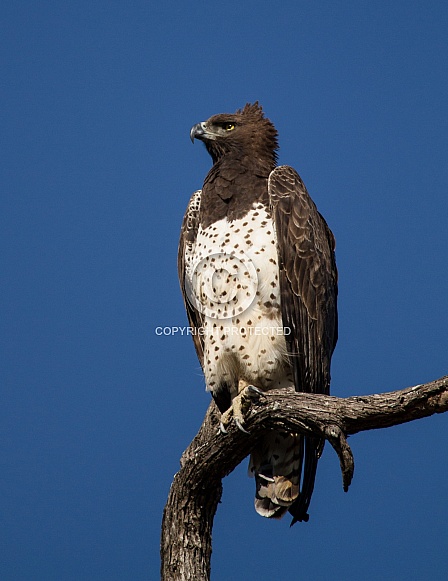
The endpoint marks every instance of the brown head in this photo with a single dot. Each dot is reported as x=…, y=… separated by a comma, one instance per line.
x=247, y=132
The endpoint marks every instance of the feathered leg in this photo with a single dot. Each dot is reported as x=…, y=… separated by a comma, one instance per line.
x=277, y=465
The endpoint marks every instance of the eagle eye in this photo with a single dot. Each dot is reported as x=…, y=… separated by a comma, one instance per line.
x=228, y=126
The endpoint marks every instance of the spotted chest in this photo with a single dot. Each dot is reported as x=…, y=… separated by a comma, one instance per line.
x=234, y=279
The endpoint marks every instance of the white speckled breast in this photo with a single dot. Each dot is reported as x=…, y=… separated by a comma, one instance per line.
x=233, y=274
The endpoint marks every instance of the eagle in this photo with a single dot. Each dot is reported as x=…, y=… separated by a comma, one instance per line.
x=258, y=274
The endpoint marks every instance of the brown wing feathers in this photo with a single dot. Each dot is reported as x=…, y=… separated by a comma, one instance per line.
x=308, y=283
x=308, y=279
x=187, y=243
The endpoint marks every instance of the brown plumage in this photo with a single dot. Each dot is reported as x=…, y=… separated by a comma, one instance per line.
x=251, y=211
x=242, y=161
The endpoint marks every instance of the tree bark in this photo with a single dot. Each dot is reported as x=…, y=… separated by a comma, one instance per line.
x=196, y=489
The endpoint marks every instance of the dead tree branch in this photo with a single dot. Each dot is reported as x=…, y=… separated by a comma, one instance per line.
x=197, y=487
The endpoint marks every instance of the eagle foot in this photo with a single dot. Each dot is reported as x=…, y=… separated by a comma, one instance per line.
x=239, y=408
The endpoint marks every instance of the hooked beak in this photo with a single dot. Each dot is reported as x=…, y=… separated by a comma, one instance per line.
x=197, y=131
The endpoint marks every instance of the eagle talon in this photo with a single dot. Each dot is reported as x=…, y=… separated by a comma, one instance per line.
x=254, y=392
x=239, y=425
x=239, y=408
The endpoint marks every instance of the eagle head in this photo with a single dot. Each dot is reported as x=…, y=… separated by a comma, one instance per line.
x=245, y=132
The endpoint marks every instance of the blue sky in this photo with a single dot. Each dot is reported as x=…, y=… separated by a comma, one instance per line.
x=97, y=168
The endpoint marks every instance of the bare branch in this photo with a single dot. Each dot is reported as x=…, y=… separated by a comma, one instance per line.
x=197, y=488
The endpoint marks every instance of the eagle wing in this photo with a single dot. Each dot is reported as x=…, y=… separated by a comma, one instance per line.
x=308, y=286
x=187, y=243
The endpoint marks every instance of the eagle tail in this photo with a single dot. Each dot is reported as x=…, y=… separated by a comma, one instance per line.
x=313, y=451
x=276, y=464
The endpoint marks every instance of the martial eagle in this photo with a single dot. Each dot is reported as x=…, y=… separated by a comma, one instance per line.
x=258, y=274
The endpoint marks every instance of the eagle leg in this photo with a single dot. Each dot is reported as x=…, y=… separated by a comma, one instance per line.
x=240, y=406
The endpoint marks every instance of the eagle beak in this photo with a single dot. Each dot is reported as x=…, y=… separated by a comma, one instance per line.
x=197, y=131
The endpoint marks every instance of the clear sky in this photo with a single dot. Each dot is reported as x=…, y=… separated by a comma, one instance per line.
x=97, y=100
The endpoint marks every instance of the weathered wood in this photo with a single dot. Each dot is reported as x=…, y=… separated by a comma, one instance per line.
x=196, y=490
